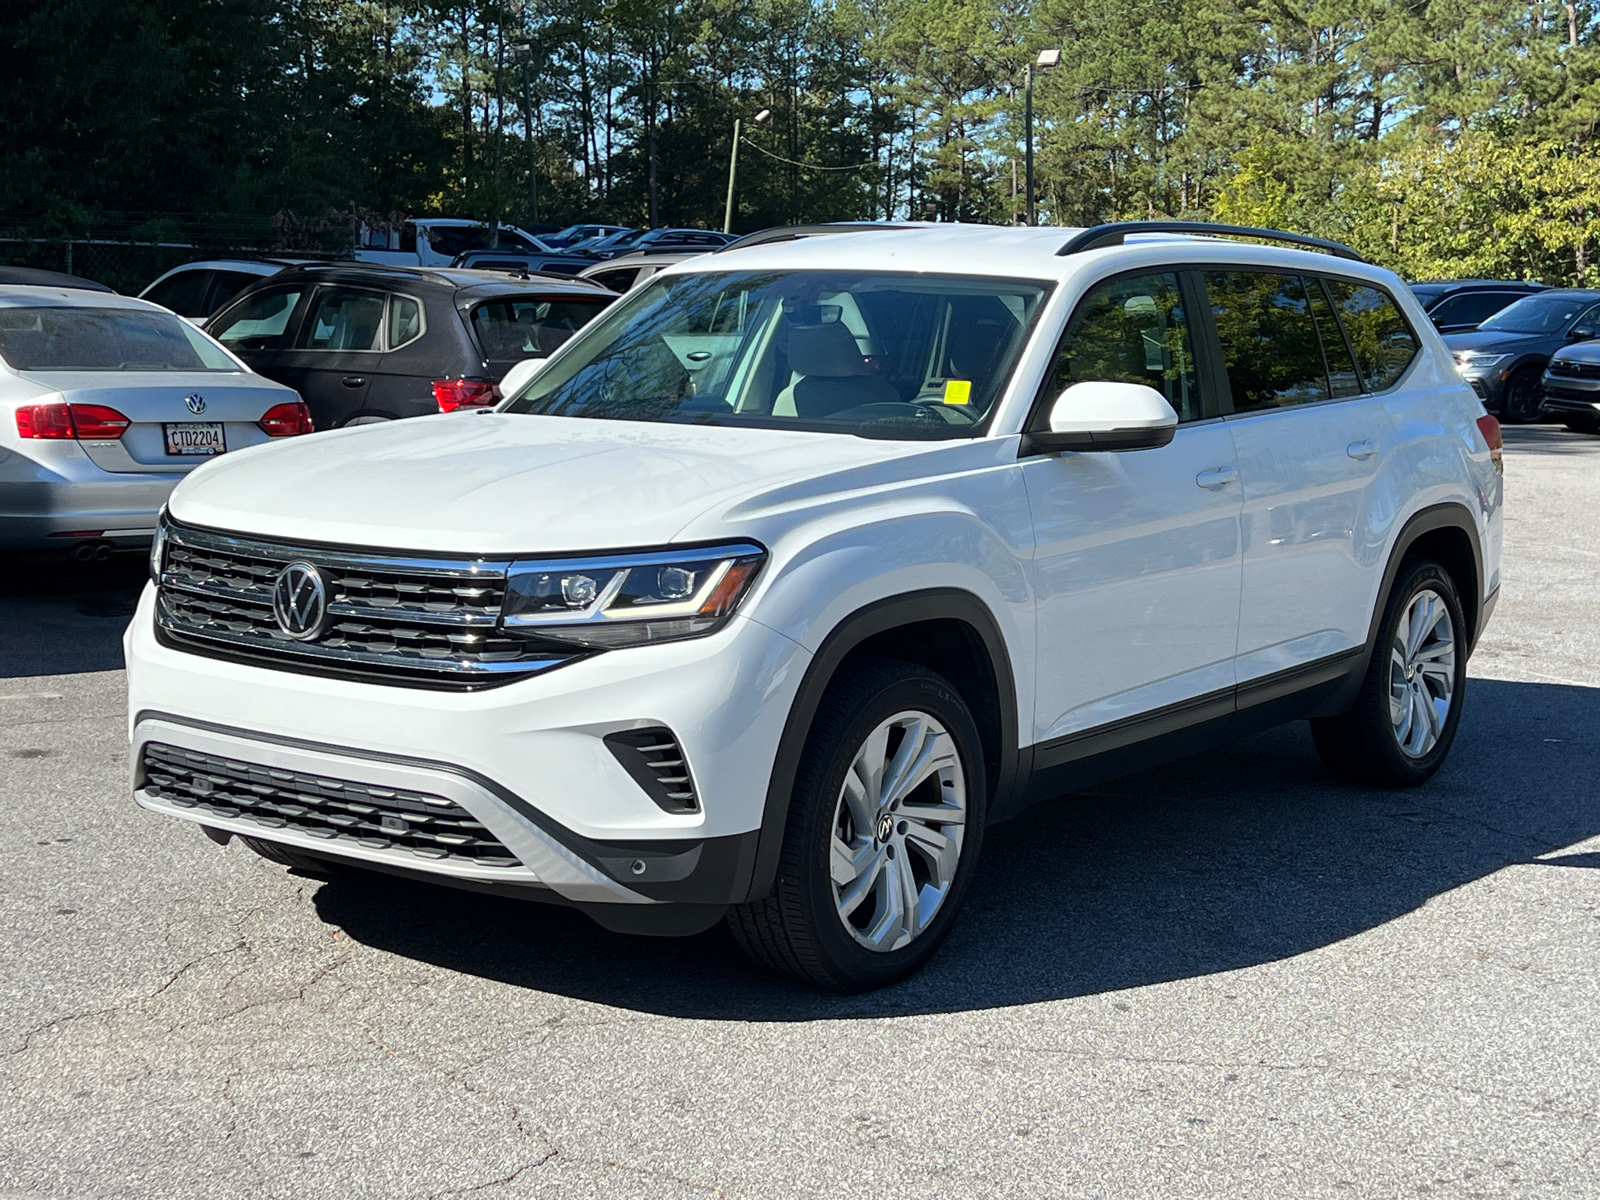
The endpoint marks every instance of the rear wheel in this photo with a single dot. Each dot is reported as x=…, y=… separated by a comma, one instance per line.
x=1404, y=719
x=1523, y=399
x=885, y=824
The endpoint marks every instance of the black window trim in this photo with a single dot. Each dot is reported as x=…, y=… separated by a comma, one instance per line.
x=1212, y=402
x=328, y=286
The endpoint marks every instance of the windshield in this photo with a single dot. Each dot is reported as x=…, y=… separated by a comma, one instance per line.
x=105, y=339
x=1539, y=314
x=876, y=355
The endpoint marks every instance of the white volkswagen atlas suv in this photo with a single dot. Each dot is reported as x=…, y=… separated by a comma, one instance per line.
x=810, y=559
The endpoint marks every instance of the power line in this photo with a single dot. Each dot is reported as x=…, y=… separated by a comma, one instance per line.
x=807, y=166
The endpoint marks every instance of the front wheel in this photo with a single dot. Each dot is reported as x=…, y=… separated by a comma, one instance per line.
x=1404, y=719
x=1523, y=399
x=885, y=823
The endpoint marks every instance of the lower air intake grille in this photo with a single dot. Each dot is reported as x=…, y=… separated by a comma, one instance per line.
x=408, y=823
x=656, y=762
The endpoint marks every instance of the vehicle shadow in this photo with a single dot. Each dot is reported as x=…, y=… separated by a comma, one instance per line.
x=1229, y=859
x=59, y=617
x=1548, y=439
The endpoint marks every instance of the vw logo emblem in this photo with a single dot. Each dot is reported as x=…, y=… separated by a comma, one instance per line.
x=195, y=402
x=300, y=601
x=885, y=825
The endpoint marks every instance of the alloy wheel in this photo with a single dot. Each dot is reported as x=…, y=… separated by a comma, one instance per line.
x=898, y=828
x=1422, y=673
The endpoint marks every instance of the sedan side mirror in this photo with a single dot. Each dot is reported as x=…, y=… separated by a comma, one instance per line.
x=516, y=378
x=1099, y=415
x=1582, y=333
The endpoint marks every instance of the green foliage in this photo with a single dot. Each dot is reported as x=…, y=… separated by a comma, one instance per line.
x=1439, y=136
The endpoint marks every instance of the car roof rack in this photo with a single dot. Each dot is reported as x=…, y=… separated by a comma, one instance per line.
x=792, y=233
x=1115, y=233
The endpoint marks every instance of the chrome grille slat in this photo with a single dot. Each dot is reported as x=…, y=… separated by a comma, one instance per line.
x=422, y=622
x=409, y=824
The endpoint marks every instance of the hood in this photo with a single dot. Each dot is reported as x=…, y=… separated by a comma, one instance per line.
x=492, y=483
x=1497, y=341
x=1584, y=352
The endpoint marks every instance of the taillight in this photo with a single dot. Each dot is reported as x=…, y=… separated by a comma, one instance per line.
x=44, y=421
x=464, y=393
x=93, y=421
x=286, y=420
x=1490, y=428
x=97, y=421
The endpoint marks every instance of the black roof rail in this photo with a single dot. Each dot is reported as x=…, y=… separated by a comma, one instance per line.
x=1116, y=232
x=792, y=233
x=353, y=264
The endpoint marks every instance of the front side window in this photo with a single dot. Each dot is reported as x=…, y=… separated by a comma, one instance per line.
x=257, y=322
x=342, y=319
x=1269, y=339
x=530, y=327
x=877, y=355
x=1132, y=330
x=105, y=339
x=1378, y=332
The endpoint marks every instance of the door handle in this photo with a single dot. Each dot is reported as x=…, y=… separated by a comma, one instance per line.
x=353, y=381
x=1361, y=450
x=1215, y=480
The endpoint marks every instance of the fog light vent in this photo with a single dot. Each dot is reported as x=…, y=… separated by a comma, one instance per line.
x=656, y=762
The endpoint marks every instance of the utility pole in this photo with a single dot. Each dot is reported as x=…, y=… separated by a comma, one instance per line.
x=1046, y=60
x=733, y=164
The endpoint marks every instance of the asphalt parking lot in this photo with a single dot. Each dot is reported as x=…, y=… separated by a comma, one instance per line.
x=1226, y=977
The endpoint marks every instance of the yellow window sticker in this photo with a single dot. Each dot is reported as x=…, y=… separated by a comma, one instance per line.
x=957, y=391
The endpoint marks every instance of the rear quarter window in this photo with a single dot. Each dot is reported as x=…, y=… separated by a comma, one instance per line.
x=1379, y=333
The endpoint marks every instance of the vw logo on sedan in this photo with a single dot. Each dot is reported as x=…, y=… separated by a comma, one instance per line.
x=300, y=601
x=195, y=402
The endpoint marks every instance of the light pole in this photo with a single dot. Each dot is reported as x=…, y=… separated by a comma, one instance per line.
x=1047, y=59
x=733, y=164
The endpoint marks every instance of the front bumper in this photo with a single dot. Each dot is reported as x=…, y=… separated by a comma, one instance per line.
x=1569, y=396
x=528, y=760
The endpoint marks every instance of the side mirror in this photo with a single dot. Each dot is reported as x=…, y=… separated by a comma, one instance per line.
x=1098, y=415
x=1582, y=333
x=517, y=378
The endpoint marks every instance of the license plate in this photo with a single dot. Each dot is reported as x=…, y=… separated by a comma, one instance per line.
x=195, y=437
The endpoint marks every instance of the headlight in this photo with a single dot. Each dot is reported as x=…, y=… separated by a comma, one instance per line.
x=158, y=546
x=629, y=599
x=1471, y=360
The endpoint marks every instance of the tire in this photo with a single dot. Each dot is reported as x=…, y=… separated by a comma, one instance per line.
x=1523, y=400
x=287, y=856
x=1392, y=737
x=837, y=918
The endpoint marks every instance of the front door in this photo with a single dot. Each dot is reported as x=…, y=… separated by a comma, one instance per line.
x=1136, y=569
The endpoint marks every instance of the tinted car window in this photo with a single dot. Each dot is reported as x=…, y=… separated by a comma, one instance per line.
x=257, y=322
x=1269, y=340
x=184, y=293
x=619, y=280
x=530, y=327
x=1342, y=376
x=1132, y=330
x=405, y=321
x=104, y=339
x=1378, y=332
x=342, y=319
x=225, y=287
x=1469, y=308
x=456, y=239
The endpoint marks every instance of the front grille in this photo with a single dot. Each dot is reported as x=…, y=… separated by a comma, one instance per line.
x=335, y=810
x=1574, y=370
x=427, y=622
x=656, y=762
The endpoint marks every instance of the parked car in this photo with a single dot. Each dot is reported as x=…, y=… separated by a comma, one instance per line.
x=662, y=239
x=1461, y=305
x=628, y=271
x=196, y=290
x=808, y=561
x=105, y=403
x=1572, y=387
x=609, y=245
x=364, y=344
x=436, y=241
x=1505, y=357
x=522, y=264
x=33, y=277
x=573, y=234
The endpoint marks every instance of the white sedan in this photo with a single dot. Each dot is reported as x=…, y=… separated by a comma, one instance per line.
x=106, y=402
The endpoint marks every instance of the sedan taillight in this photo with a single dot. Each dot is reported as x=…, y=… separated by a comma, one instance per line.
x=286, y=420
x=464, y=393
x=92, y=421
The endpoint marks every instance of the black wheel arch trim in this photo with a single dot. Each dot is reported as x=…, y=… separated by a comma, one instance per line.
x=882, y=616
x=1449, y=515
x=712, y=870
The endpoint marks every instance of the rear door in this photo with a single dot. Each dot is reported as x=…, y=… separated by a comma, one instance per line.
x=334, y=352
x=419, y=345
x=1313, y=435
